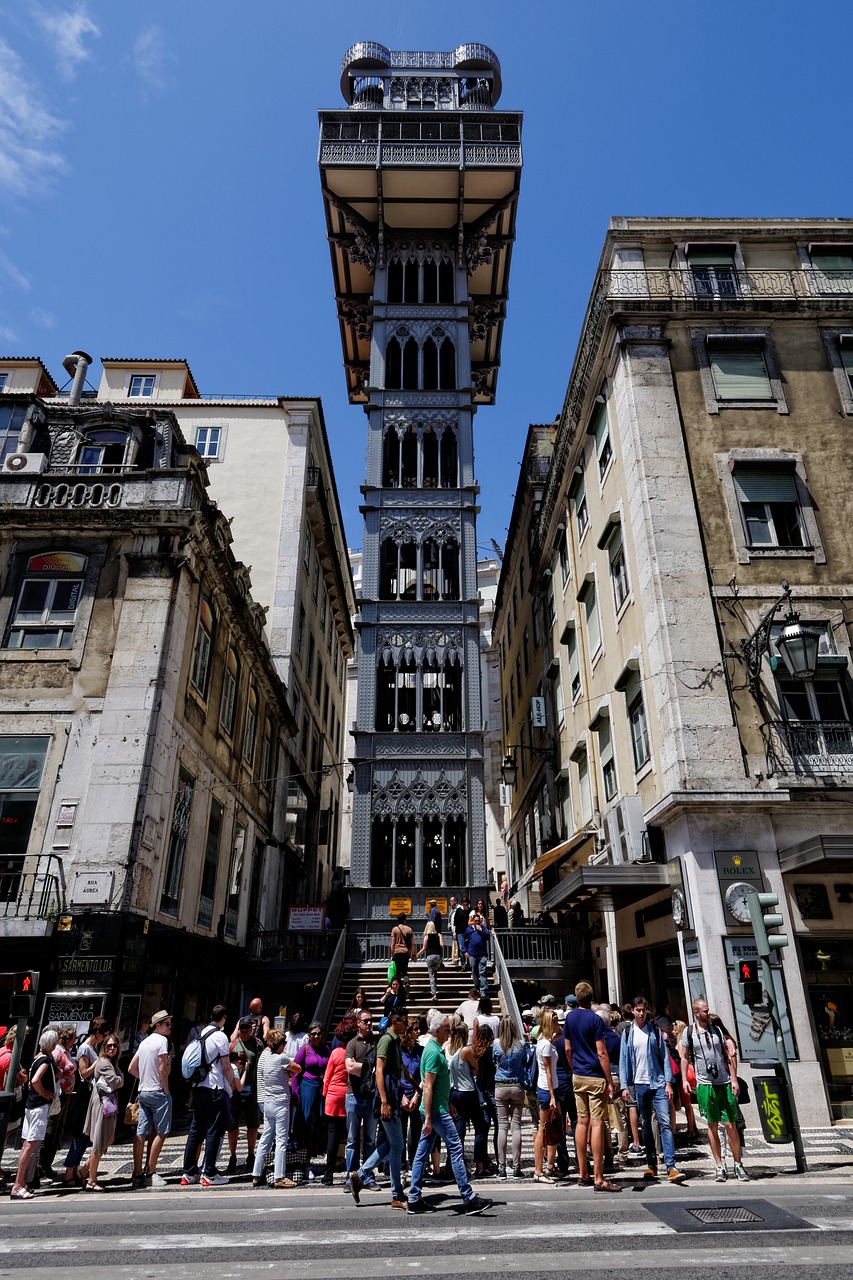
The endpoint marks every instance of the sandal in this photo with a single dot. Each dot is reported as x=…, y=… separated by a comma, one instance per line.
x=23, y=1194
x=584, y=1182
x=543, y=1177
x=606, y=1186
x=93, y=1186
x=284, y=1184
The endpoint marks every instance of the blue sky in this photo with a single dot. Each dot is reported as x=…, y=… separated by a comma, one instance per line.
x=159, y=193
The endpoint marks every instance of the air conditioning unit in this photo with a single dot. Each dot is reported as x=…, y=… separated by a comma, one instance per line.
x=626, y=829
x=27, y=464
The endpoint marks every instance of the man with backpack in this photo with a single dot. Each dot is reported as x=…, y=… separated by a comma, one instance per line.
x=703, y=1047
x=361, y=1122
x=207, y=1064
x=386, y=1107
x=458, y=921
x=645, y=1066
x=402, y=947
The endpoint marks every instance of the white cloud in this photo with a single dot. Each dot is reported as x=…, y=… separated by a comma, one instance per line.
x=29, y=160
x=67, y=29
x=7, y=334
x=44, y=319
x=10, y=274
x=153, y=59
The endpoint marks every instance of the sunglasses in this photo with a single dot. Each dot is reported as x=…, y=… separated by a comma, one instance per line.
x=111, y=1046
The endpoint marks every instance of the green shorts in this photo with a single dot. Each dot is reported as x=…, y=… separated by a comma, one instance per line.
x=716, y=1102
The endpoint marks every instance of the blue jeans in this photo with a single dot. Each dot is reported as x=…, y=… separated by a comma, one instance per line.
x=208, y=1126
x=444, y=1128
x=478, y=973
x=460, y=942
x=359, y=1110
x=390, y=1148
x=647, y=1097
x=276, y=1125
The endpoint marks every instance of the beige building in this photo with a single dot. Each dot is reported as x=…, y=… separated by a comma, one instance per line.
x=270, y=470
x=702, y=459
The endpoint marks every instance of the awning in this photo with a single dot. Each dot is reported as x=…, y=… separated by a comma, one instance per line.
x=560, y=851
x=820, y=853
x=622, y=885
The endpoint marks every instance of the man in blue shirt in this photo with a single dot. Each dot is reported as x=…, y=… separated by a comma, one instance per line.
x=475, y=950
x=586, y=1053
x=644, y=1063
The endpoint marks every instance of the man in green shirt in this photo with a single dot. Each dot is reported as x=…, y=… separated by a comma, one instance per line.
x=438, y=1122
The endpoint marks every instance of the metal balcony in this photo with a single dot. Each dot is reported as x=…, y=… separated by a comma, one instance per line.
x=537, y=946
x=31, y=888
x=284, y=946
x=806, y=748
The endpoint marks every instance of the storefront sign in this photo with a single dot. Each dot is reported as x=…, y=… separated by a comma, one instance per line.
x=400, y=906
x=83, y=971
x=76, y=1007
x=735, y=867
x=92, y=888
x=306, y=919
x=537, y=713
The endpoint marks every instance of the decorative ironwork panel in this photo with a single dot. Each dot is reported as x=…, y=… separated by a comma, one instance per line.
x=806, y=747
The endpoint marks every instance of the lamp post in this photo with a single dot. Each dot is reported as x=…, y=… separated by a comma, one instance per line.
x=797, y=644
x=509, y=768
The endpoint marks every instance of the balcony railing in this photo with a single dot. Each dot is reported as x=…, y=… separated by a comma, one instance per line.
x=31, y=888
x=283, y=946
x=808, y=747
x=538, y=946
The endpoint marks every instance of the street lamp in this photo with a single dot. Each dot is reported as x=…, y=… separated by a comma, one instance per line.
x=797, y=644
x=509, y=769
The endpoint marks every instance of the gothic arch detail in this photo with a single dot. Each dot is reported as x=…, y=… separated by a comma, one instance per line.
x=439, y=798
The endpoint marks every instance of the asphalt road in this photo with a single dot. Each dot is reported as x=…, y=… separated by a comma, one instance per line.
x=792, y=1225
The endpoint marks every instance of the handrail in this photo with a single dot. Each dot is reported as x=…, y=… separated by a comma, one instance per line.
x=31, y=887
x=329, y=993
x=539, y=944
x=278, y=946
x=511, y=1005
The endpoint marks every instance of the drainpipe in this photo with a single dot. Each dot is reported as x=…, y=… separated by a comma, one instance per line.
x=76, y=366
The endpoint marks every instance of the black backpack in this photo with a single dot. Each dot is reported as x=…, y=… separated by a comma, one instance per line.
x=367, y=1082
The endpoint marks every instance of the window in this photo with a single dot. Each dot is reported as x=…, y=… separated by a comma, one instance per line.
x=11, y=420
x=639, y=726
x=580, y=508
x=515, y=606
x=713, y=272
x=170, y=897
x=589, y=599
x=506, y=714
x=300, y=630
x=208, y=441
x=142, y=384
x=4, y=378
x=817, y=725
x=205, y=627
x=512, y=693
x=525, y=648
x=618, y=565
x=21, y=767
x=833, y=267
x=230, y=681
x=103, y=452
x=324, y=605
x=600, y=429
x=563, y=551
x=518, y=674
x=522, y=577
x=315, y=580
x=309, y=666
x=584, y=788
x=556, y=676
x=571, y=642
x=738, y=371
x=210, y=865
x=770, y=507
x=267, y=761
x=250, y=726
x=47, y=602
x=235, y=876
x=306, y=550
x=839, y=349
x=605, y=756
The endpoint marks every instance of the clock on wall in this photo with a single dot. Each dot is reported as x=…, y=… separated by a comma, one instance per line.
x=737, y=901
x=679, y=908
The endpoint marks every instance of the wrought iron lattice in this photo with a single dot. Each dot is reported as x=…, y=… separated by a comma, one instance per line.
x=806, y=747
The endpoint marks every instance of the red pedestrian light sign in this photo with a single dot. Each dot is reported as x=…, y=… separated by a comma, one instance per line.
x=27, y=984
x=748, y=971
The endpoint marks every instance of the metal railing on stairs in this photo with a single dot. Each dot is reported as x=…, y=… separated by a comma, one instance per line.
x=510, y=1003
x=329, y=992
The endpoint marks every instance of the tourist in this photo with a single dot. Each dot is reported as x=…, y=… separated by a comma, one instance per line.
x=245, y=1112
x=510, y=1057
x=151, y=1064
x=278, y=1073
x=210, y=1097
x=41, y=1087
x=335, y=1084
x=587, y=1057
x=87, y=1055
x=312, y=1060
x=387, y=1107
x=432, y=950
x=100, y=1125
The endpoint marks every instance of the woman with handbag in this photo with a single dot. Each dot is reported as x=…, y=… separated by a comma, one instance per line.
x=40, y=1095
x=101, y=1117
x=87, y=1056
x=546, y=1093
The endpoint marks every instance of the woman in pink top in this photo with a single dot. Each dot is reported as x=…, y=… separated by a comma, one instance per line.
x=335, y=1083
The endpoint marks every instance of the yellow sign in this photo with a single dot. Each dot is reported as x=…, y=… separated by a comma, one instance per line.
x=441, y=903
x=63, y=924
x=400, y=906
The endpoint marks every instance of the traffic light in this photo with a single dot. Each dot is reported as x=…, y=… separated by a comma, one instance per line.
x=22, y=1002
x=751, y=988
x=762, y=920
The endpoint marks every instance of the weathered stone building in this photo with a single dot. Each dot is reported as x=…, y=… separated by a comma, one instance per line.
x=701, y=461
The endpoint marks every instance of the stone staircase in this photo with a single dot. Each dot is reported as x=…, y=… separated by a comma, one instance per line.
x=453, y=986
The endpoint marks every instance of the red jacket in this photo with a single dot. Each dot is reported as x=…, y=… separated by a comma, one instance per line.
x=335, y=1083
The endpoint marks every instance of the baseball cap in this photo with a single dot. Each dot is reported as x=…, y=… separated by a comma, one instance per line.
x=246, y=1022
x=548, y=1001
x=571, y=999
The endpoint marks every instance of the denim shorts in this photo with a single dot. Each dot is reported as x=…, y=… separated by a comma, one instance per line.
x=543, y=1097
x=155, y=1114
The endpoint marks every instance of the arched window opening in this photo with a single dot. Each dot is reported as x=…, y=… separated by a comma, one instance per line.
x=386, y=688
x=430, y=459
x=102, y=451
x=395, y=281
x=430, y=366
x=381, y=851
x=433, y=852
x=408, y=579
x=447, y=365
x=391, y=459
x=453, y=697
x=404, y=853
x=410, y=366
x=393, y=365
x=409, y=460
x=407, y=699
x=445, y=282
x=449, y=460
x=433, y=711
x=454, y=852
x=430, y=281
x=450, y=570
x=431, y=569
x=389, y=575
x=410, y=282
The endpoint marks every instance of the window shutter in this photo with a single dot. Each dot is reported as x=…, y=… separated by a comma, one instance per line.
x=740, y=375
x=720, y=258
x=766, y=486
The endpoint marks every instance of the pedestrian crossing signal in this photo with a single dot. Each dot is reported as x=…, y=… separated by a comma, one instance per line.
x=22, y=1002
x=751, y=989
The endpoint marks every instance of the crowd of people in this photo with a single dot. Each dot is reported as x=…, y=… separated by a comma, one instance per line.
x=433, y=1099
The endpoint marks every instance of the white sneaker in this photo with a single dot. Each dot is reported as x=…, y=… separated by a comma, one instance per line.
x=215, y=1180
x=189, y=1179
x=157, y=1181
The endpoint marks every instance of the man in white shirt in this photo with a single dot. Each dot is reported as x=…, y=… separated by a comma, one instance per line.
x=209, y=1103
x=151, y=1065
